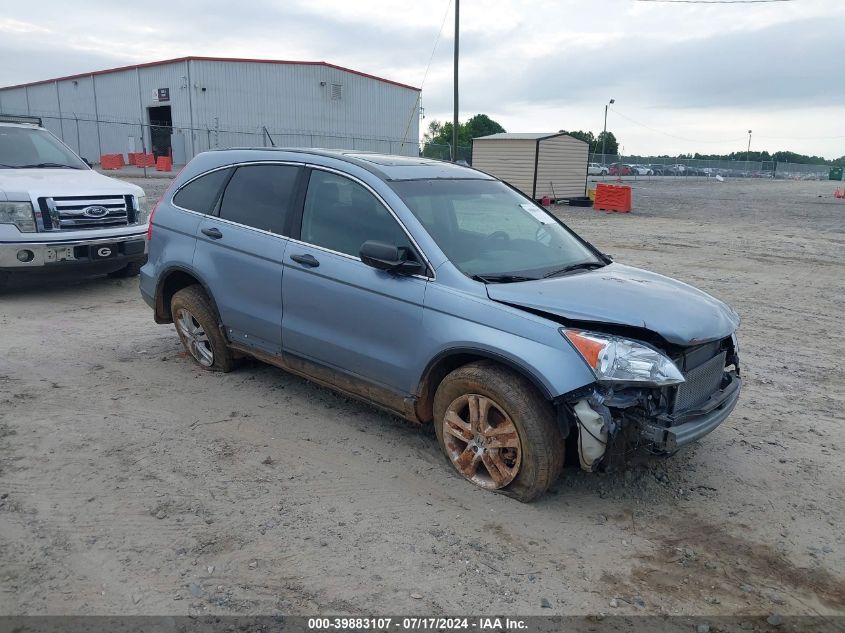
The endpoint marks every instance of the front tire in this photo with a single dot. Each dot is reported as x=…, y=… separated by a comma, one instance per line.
x=497, y=431
x=197, y=325
x=132, y=269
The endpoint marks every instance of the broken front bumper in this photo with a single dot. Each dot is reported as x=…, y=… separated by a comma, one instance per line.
x=667, y=433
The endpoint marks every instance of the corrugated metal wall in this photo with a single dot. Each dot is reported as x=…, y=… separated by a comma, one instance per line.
x=224, y=104
x=119, y=111
x=301, y=106
x=511, y=160
x=562, y=167
x=76, y=99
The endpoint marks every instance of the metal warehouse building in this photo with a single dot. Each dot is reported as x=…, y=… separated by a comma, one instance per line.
x=184, y=106
x=539, y=165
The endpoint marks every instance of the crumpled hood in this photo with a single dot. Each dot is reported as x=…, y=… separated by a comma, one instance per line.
x=33, y=183
x=623, y=295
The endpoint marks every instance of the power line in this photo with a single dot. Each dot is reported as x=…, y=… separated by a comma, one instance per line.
x=675, y=136
x=425, y=75
x=436, y=41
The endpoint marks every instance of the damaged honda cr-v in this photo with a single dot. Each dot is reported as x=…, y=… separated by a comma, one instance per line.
x=443, y=295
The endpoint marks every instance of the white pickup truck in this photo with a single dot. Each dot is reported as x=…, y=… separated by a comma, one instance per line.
x=57, y=215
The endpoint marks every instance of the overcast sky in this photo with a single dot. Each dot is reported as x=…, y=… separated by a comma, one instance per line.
x=685, y=77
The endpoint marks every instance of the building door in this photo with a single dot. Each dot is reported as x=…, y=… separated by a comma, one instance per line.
x=161, y=127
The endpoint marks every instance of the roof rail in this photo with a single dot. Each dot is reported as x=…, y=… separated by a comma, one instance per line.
x=20, y=118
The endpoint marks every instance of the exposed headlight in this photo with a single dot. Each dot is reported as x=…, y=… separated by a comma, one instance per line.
x=18, y=213
x=142, y=210
x=735, y=342
x=616, y=359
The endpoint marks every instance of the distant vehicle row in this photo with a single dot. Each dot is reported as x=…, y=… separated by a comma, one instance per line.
x=633, y=169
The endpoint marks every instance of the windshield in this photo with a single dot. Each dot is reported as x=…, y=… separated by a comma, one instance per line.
x=22, y=147
x=489, y=230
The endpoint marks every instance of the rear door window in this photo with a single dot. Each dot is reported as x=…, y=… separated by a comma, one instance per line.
x=260, y=196
x=201, y=195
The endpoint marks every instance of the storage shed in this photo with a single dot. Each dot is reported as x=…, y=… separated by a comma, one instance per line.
x=538, y=164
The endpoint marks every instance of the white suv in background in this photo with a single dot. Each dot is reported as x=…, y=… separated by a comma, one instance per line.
x=58, y=215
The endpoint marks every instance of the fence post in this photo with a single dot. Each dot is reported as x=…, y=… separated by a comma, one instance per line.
x=143, y=147
x=78, y=143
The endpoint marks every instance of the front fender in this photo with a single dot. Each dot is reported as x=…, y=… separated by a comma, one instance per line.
x=457, y=322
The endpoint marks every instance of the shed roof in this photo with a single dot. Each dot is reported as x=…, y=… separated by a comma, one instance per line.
x=521, y=136
x=215, y=59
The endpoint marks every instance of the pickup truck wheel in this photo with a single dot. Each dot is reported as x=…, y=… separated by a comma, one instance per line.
x=132, y=269
x=497, y=431
x=197, y=325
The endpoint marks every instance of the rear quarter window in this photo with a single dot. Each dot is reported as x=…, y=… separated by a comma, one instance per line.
x=201, y=194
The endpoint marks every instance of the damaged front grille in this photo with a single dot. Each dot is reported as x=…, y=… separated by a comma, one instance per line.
x=700, y=383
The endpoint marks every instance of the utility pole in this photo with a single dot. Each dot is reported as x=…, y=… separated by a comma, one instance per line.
x=748, y=151
x=455, y=114
x=604, y=133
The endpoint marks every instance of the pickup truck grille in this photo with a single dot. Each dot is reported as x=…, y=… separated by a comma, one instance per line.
x=701, y=383
x=74, y=213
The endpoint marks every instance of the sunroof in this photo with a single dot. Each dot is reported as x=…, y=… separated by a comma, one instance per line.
x=387, y=161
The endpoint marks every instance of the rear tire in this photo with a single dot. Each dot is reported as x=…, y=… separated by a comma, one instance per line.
x=132, y=269
x=476, y=408
x=198, y=328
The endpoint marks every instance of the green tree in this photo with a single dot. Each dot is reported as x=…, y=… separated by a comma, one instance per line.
x=587, y=137
x=595, y=141
x=480, y=125
x=610, y=144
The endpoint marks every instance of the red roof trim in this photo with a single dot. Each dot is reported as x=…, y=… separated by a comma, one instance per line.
x=214, y=59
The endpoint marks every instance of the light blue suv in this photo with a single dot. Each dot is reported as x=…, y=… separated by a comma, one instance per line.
x=443, y=295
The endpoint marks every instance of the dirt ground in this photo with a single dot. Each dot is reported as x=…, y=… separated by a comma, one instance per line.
x=131, y=482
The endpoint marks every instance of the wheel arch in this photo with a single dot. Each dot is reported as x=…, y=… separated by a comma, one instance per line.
x=172, y=281
x=449, y=360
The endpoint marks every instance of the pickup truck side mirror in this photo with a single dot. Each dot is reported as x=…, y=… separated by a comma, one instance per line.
x=389, y=257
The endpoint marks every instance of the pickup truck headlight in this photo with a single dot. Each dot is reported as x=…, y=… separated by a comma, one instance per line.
x=616, y=359
x=18, y=213
x=142, y=210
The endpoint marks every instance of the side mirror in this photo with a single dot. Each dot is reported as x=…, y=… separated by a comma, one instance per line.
x=388, y=257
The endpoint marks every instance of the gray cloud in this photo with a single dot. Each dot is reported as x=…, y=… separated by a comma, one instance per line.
x=518, y=58
x=786, y=65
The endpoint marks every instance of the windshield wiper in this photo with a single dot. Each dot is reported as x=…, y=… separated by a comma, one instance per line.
x=501, y=279
x=570, y=268
x=46, y=165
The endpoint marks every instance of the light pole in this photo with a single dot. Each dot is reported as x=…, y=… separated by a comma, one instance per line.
x=455, y=114
x=604, y=133
x=748, y=151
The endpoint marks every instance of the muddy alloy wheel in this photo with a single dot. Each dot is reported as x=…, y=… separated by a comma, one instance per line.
x=199, y=329
x=482, y=441
x=196, y=340
x=497, y=430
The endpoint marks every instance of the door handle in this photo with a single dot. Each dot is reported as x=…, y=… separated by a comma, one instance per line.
x=213, y=233
x=306, y=260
